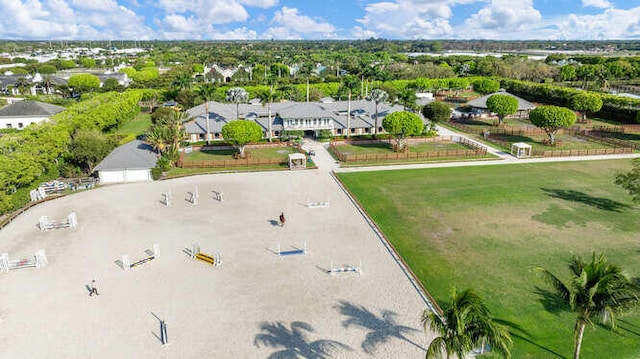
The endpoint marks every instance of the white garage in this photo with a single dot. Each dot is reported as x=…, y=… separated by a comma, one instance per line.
x=131, y=162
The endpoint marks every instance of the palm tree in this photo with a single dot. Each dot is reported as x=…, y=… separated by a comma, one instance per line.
x=349, y=84
x=156, y=138
x=237, y=95
x=465, y=323
x=206, y=92
x=182, y=81
x=378, y=96
x=407, y=98
x=597, y=291
x=268, y=97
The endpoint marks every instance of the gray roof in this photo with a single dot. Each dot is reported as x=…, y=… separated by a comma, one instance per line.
x=133, y=155
x=363, y=114
x=30, y=108
x=481, y=102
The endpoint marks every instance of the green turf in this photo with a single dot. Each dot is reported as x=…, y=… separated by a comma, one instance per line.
x=487, y=227
x=256, y=153
x=382, y=148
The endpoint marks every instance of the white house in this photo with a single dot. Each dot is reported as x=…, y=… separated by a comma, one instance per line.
x=23, y=113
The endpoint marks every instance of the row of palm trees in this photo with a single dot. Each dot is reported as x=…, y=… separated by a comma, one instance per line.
x=597, y=291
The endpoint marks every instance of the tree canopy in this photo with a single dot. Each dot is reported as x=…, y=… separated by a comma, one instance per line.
x=630, y=181
x=597, y=291
x=241, y=132
x=486, y=86
x=401, y=125
x=466, y=323
x=551, y=119
x=586, y=102
x=437, y=111
x=502, y=105
x=84, y=82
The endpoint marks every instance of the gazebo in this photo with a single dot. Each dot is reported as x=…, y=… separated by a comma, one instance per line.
x=297, y=161
x=521, y=149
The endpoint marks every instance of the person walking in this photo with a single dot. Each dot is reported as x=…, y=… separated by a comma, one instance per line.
x=282, y=219
x=94, y=290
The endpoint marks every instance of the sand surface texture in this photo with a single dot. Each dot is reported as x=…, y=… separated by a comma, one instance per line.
x=254, y=305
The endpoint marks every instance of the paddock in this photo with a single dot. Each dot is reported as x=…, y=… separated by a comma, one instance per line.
x=226, y=312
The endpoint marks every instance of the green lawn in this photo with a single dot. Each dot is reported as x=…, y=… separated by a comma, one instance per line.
x=567, y=142
x=256, y=153
x=381, y=148
x=487, y=227
x=138, y=126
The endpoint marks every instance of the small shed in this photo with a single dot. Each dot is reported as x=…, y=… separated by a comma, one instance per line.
x=131, y=162
x=297, y=161
x=521, y=149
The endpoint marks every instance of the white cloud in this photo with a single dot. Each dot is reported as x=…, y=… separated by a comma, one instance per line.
x=62, y=19
x=265, y=4
x=611, y=24
x=505, y=15
x=290, y=24
x=603, y=4
x=408, y=19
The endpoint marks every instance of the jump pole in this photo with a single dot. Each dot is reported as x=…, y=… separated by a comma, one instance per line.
x=293, y=252
x=346, y=269
x=214, y=260
x=126, y=262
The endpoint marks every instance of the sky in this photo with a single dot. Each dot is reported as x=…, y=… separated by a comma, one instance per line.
x=319, y=19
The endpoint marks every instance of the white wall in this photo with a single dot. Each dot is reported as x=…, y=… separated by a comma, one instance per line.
x=121, y=176
x=15, y=121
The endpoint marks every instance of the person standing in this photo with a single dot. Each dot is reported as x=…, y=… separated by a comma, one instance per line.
x=94, y=290
x=282, y=219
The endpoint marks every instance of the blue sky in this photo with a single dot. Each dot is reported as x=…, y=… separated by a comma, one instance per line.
x=320, y=19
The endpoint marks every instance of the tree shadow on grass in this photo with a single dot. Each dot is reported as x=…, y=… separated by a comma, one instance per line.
x=381, y=328
x=581, y=197
x=530, y=341
x=293, y=341
x=551, y=302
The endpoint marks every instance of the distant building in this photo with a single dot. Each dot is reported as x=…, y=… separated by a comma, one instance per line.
x=217, y=73
x=23, y=113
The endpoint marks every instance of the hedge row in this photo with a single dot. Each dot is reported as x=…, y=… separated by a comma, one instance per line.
x=617, y=108
x=33, y=155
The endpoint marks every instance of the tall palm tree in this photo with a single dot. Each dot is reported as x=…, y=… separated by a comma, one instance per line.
x=206, y=92
x=598, y=291
x=237, y=95
x=268, y=97
x=350, y=84
x=378, y=96
x=465, y=323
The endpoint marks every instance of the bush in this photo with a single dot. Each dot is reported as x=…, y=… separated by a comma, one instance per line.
x=156, y=173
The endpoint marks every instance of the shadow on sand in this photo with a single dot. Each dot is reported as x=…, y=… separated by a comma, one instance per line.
x=381, y=328
x=292, y=341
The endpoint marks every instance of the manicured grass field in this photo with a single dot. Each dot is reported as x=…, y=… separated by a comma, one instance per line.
x=568, y=142
x=487, y=227
x=373, y=148
x=256, y=153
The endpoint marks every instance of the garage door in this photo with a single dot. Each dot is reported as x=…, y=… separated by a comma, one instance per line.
x=111, y=176
x=137, y=175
